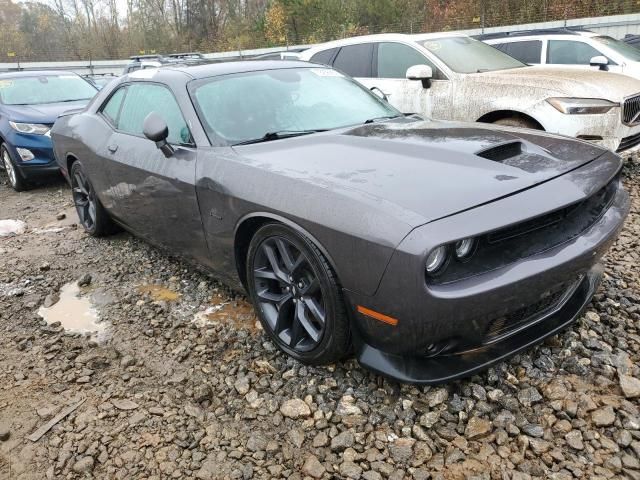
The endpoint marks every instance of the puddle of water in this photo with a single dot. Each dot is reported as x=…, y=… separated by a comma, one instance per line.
x=242, y=315
x=74, y=312
x=159, y=293
x=12, y=227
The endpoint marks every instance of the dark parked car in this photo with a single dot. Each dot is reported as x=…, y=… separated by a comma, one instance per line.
x=30, y=103
x=434, y=248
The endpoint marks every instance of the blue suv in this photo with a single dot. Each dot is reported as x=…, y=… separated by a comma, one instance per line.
x=30, y=103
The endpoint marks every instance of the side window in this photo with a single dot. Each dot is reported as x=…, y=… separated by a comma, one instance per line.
x=394, y=59
x=324, y=57
x=567, y=52
x=355, y=60
x=527, y=51
x=144, y=98
x=111, y=109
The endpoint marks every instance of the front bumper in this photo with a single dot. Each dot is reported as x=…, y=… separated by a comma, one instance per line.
x=445, y=368
x=443, y=330
x=42, y=165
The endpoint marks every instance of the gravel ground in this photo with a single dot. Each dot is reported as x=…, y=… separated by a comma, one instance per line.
x=167, y=396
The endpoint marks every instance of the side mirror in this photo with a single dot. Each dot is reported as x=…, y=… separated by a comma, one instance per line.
x=424, y=73
x=156, y=130
x=600, y=61
x=379, y=93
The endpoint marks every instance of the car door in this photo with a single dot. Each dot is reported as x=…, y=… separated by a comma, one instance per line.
x=575, y=54
x=153, y=195
x=391, y=60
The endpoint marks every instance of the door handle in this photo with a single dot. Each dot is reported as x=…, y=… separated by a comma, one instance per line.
x=112, y=148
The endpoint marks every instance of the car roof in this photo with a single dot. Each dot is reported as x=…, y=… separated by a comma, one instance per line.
x=537, y=33
x=35, y=73
x=226, y=68
x=381, y=37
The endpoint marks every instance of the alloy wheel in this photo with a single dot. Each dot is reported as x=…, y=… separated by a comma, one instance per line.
x=8, y=167
x=84, y=200
x=289, y=293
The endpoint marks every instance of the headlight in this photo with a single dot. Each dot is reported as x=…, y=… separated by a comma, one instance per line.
x=436, y=259
x=32, y=128
x=464, y=248
x=582, y=106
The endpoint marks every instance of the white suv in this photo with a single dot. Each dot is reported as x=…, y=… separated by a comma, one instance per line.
x=450, y=76
x=568, y=48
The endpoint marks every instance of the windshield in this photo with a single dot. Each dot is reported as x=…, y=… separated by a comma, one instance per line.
x=242, y=107
x=467, y=55
x=45, y=89
x=627, y=51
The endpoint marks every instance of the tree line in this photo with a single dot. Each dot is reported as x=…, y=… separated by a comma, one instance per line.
x=108, y=29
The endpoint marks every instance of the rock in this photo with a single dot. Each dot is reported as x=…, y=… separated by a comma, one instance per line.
x=429, y=419
x=320, y=440
x=297, y=437
x=313, y=467
x=84, y=280
x=295, y=408
x=529, y=396
x=437, y=397
x=347, y=406
x=124, y=404
x=630, y=386
x=574, y=440
x=210, y=469
x=127, y=361
x=477, y=427
x=61, y=216
x=342, y=440
x=5, y=433
x=532, y=430
x=603, y=417
x=350, y=470
x=50, y=300
x=402, y=449
x=84, y=465
x=242, y=386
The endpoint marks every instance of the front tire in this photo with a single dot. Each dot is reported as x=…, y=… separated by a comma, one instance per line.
x=16, y=180
x=92, y=215
x=297, y=296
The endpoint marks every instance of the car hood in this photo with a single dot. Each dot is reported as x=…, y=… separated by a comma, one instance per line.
x=573, y=82
x=425, y=169
x=46, y=113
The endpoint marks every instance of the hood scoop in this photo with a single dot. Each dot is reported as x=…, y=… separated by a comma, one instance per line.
x=502, y=151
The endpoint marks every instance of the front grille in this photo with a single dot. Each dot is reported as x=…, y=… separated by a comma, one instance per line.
x=631, y=111
x=629, y=142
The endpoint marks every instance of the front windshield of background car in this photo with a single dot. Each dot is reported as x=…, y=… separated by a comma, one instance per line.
x=245, y=106
x=41, y=89
x=467, y=55
x=627, y=51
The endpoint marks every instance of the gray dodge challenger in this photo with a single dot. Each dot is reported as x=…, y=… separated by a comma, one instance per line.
x=430, y=249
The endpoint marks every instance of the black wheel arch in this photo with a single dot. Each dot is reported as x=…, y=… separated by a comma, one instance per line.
x=249, y=224
x=496, y=115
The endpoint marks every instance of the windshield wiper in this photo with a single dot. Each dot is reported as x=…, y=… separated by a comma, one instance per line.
x=267, y=137
x=379, y=119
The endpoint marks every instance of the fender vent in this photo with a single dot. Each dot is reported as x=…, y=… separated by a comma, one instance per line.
x=501, y=152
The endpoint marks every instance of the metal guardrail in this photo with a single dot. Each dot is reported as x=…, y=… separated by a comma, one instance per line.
x=85, y=67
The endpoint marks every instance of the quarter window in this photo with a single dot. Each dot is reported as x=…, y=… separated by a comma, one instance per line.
x=141, y=100
x=566, y=52
x=112, y=109
x=394, y=59
x=355, y=60
x=528, y=51
x=324, y=57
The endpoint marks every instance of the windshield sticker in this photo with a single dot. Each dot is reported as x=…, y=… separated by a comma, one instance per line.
x=6, y=83
x=433, y=46
x=326, y=72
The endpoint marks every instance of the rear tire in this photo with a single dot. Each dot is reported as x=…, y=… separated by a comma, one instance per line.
x=297, y=296
x=16, y=180
x=518, y=122
x=92, y=215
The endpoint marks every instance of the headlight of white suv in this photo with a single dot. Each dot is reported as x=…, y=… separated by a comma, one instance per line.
x=582, y=106
x=32, y=128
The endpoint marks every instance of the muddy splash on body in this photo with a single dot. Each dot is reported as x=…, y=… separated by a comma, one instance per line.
x=75, y=313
